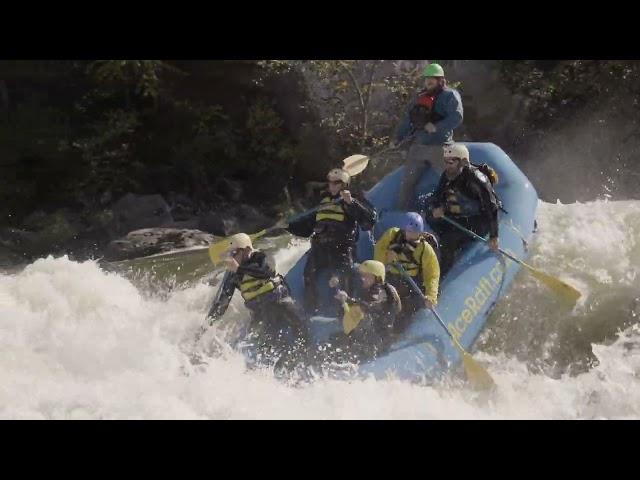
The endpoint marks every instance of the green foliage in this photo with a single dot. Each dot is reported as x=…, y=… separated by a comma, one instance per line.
x=563, y=87
x=359, y=101
x=269, y=146
x=79, y=134
x=106, y=155
x=142, y=75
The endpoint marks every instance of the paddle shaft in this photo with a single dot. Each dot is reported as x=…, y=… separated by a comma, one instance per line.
x=216, y=299
x=313, y=210
x=353, y=165
x=417, y=291
x=225, y=278
x=478, y=237
x=262, y=233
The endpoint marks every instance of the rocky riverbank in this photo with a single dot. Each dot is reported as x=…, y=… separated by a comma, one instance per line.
x=132, y=226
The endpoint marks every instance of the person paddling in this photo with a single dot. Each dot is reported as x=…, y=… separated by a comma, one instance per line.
x=266, y=295
x=466, y=195
x=334, y=231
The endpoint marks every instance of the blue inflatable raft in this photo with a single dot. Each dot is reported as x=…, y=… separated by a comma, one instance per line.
x=469, y=291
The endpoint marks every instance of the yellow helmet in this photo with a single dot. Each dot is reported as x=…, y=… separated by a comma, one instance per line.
x=239, y=240
x=339, y=175
x=374, y=268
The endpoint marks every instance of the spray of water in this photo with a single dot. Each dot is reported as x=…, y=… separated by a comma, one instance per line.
x=76, y=342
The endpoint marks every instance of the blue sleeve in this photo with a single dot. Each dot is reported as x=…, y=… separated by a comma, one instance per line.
x=453, y=114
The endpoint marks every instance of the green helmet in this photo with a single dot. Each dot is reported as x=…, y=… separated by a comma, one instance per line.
x=433, y=70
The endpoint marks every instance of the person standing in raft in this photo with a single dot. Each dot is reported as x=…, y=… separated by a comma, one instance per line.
x=466, y=195
x=415, y=251
x=379, y=303
x=430, y=120
x=334, y=231
x=266, y=295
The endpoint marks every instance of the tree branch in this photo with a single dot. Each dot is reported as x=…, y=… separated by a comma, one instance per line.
x=365, y=110
x=354, y=81
x=361, y=98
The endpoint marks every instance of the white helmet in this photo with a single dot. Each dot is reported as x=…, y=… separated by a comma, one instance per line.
x=239, y=240
x=339, y=175
x=457, y=150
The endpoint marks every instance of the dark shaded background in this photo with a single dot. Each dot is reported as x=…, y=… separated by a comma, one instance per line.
x=75, y=136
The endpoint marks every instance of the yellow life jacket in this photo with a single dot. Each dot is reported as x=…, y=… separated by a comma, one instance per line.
x=330, y=211
x=409, y=257
x=251, y=287
x=419, y=261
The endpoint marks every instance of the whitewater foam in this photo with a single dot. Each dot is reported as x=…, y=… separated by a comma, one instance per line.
x=76, y=342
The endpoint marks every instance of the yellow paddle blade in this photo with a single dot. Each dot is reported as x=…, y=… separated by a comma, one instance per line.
x=355, y=164
x=477, y=375
x=352, y=317
x=218, y=248
x=555, y=284
x=256, y=236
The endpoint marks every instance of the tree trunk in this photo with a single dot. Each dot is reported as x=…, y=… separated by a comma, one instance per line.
x=361, y=99
x=367, y=99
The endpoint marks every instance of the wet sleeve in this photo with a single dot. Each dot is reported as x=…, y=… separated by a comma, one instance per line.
x=430, y=273
x=218, y=309
x=364, y=213
x=488, y=205
x=303, y=226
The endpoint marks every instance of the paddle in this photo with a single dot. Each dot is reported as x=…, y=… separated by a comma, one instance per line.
x=352, y=316
x=210, y=314
x=561, y=288
x=353, y=165
x=216, y=299
x=476, y=373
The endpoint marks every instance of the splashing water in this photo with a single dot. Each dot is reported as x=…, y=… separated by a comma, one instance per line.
x=76, y=342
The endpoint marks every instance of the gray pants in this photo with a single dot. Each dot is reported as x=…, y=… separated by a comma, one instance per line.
x=419, y=158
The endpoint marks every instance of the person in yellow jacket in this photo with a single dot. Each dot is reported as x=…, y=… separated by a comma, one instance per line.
x=414, y=250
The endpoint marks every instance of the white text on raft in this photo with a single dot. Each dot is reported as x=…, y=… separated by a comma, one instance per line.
x=474, y=302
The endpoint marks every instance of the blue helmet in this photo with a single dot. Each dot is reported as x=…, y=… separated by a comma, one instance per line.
x=412, y=222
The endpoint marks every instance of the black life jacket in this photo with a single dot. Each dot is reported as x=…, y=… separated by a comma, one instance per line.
x=456, y=201
x=393, y=299
x=382, y=319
